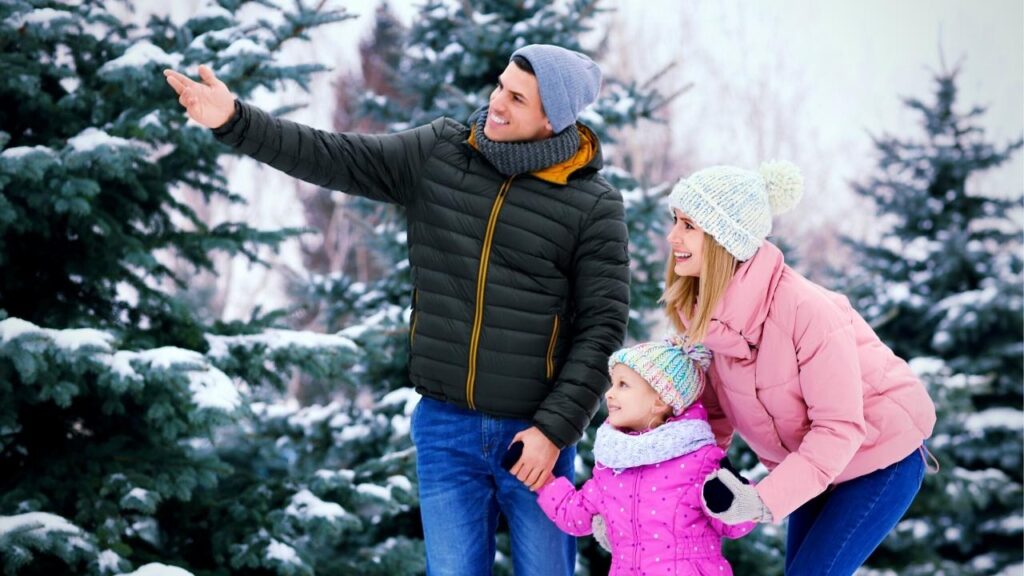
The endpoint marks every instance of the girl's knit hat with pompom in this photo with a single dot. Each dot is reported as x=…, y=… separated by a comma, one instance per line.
x=675, y=369
x=735, y=206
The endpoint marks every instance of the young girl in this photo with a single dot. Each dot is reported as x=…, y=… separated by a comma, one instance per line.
x=835, y=416
x=652, y=454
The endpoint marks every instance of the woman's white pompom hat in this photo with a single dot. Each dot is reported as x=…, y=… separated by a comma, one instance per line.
x=735, y=206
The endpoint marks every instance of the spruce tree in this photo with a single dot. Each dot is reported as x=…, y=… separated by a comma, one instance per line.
x=136, y=435
x=92, y=149
x=942, y=287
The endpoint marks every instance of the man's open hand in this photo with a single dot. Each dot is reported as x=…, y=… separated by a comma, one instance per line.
x=209, y=103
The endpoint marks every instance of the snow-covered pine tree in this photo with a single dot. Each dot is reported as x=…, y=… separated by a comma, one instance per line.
x=942, y=286
x=127, y=439
x=91, y=145
x=360, y=271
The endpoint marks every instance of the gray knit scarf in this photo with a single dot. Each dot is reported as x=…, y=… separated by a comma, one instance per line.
x=618, y=450
x=511, y=158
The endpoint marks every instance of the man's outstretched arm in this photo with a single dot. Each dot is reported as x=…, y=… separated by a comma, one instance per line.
x=384, y=167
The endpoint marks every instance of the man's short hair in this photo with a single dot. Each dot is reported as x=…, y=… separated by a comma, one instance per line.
x=523, y=64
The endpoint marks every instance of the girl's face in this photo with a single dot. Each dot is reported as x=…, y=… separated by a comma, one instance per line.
x=632, y=403
x=686, y=240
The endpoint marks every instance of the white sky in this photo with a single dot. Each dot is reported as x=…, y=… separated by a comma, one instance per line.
x=812, y=81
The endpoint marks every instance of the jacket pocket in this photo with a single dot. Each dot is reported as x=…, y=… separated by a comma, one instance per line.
x=550, y=356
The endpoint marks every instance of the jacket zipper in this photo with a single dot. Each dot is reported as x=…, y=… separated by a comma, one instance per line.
x=415, y=317
x=636, y=515
x=481, y=284
x=551, y=350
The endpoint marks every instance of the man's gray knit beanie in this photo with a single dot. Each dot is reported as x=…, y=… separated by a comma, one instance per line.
x=568, y=81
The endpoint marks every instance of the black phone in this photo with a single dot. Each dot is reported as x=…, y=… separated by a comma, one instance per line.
x=512, y=455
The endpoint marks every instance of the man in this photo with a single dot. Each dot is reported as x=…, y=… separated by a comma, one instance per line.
x=518, y=249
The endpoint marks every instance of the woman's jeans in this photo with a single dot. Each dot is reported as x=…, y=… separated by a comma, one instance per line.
x=463, y=488
x=835, y=533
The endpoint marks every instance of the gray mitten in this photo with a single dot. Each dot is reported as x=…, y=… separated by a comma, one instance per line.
x=600, y=532
x=746, y=505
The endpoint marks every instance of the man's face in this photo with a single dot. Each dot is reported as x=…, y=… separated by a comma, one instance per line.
x=515, y=113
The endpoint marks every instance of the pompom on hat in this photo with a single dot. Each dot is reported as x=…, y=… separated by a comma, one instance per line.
x=675, y=369
x=735, y=206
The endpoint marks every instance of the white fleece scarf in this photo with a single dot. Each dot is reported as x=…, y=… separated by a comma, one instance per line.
x=619, y=450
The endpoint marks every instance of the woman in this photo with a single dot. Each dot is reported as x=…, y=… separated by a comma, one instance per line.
x=835, y=416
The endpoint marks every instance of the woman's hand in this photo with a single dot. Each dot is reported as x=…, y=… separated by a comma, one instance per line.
x=730, y=500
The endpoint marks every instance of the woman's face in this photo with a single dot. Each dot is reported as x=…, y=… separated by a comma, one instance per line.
x=686, y=240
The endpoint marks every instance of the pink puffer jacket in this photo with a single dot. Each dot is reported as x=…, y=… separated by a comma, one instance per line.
x=656, y=524
x=807, y=383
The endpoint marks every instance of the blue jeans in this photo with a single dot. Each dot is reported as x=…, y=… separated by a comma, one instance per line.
x=463, y=488
x=835, y=533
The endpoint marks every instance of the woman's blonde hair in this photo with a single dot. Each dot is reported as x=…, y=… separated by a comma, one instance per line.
x=696, y=298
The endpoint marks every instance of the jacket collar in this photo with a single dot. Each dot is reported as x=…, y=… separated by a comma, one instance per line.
x=738, y=321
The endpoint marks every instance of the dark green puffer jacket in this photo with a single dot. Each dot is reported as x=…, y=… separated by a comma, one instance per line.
x=521, y=284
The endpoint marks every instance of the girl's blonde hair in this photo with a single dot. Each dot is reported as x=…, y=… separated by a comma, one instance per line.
x=696, y=298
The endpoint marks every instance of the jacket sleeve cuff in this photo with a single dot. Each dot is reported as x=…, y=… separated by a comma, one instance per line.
x=555, y=489
x=787, y=487
x=553, y=495
x=560, y=436
x=226, y=130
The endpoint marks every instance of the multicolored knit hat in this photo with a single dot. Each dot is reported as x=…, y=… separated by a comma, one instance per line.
x=735, y=206
x=676, y=370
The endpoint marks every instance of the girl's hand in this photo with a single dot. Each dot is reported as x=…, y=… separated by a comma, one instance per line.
x=728, y=499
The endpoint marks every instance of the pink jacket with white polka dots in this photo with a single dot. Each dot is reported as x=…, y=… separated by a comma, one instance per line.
x=656, y=523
